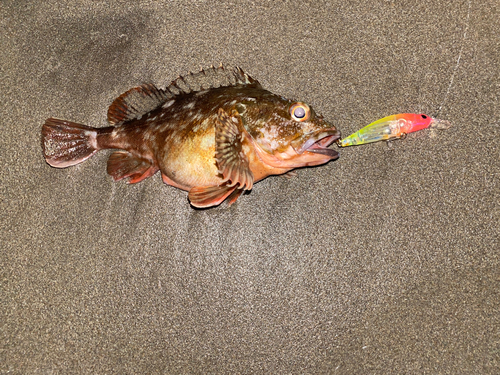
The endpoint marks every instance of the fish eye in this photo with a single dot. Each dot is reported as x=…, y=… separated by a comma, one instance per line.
x=300, y=112
x=423, y=116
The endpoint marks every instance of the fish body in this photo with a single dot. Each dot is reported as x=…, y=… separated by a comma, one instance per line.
x=392, y=127
x=212, y=139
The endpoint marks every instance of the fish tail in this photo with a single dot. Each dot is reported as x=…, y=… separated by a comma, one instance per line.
x=66, y=143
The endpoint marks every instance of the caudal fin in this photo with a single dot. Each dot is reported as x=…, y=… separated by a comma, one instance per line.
x=66, y=143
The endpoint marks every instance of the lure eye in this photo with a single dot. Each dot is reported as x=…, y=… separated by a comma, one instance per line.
x=300, y=112
x=423, y=116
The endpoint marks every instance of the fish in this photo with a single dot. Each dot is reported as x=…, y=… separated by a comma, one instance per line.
x=213, y=133
x=393, y=127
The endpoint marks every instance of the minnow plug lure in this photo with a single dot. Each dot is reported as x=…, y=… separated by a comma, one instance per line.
x=393, y=127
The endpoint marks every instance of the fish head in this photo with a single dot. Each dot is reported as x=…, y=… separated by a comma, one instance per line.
x=288, y=134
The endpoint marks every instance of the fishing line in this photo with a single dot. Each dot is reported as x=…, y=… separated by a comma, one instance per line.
x=458, y=61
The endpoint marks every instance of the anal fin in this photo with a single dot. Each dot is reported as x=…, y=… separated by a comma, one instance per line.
x=209, y=196
x=122, y=164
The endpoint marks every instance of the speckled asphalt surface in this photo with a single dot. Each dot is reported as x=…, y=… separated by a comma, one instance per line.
x=383, y=261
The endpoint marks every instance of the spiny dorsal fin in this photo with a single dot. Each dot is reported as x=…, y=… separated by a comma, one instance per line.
x=210, y=78
x=136, y=102
x=143, y=99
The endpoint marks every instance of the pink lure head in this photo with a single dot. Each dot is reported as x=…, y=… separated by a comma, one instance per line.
x=414, y=122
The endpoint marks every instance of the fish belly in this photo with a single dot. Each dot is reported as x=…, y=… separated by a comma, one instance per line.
x=190, y=160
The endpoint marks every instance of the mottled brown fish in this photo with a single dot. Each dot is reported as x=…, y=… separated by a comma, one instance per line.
x=214, y=133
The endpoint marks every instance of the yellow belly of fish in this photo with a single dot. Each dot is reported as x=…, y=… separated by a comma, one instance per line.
x=191, y=162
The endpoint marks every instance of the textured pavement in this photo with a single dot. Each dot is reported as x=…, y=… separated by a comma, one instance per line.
x=385, y=261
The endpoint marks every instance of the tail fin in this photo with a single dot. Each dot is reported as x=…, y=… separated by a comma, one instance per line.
x=66, y=143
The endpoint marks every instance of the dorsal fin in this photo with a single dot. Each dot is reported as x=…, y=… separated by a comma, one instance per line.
x=210, y=78
x=140, y=100
x=136, y=102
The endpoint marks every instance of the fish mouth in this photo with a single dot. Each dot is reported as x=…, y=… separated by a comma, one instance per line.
x=318, y=143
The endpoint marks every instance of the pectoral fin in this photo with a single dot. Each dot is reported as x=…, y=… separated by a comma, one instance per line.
x=231, y=160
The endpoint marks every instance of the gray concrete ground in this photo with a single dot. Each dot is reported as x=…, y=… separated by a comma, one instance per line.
x=384, y=261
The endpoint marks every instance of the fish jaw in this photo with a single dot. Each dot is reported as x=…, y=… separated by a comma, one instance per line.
x=315, y=151
x=306, y=151
x=317, y=142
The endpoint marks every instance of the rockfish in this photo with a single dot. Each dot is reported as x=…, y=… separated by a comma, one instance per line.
x=214, y=134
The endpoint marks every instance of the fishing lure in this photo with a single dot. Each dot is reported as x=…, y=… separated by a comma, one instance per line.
x=393, y=127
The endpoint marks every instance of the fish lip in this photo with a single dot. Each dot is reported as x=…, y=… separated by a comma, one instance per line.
x=319, y=141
